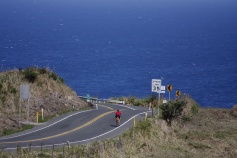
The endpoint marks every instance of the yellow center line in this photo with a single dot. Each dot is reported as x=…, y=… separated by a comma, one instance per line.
x=64, y=133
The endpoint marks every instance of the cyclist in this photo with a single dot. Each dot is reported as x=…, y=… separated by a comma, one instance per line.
x=118, y=116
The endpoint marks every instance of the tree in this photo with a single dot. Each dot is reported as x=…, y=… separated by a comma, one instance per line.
x=171, y=110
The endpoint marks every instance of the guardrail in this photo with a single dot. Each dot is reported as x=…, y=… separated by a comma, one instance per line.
x=116, y=101
x=97, y=100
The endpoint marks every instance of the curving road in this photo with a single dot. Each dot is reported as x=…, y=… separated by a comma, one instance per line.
x=77, y=128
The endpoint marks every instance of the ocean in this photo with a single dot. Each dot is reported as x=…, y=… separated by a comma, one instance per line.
x=114, y=48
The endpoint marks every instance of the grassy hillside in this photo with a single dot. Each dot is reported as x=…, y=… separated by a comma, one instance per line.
x=47, y=89
x=211, y=133
x=197, y=132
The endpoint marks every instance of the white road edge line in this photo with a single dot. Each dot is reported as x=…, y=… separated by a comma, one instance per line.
x=45, y=126
x=108, y=131
x=81, y=140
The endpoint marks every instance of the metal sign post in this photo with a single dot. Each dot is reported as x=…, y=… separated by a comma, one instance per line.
x=178, y=93
x=24, y=94
x=156, y=87
x=159, y=92
x=37, y=117
x=158, y=111
x=169, y=95
x=28, y=110
x=20, y=113
x=169, y=88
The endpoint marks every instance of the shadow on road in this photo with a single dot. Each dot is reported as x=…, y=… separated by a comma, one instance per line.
x=113, y=125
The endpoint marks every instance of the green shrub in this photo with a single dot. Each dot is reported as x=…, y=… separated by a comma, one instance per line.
x=144, y=127
x=43, y=71
x=61, y=79
x=186, y=118
x=131, y=100
x=1, y=85
x=6, y=132
x=30, y=75
x=190, y=102
x=195, y=108
x=53, y=76
x=171, y=110
x=13, y=90
x=152, y=98
x=137, y=102
x=23, y=128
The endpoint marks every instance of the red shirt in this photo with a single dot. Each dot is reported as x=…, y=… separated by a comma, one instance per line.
x=118, y=113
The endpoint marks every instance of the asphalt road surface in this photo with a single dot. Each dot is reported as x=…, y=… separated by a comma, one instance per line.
x=77, y=128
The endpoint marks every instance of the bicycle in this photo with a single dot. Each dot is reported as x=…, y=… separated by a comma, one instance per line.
x=117, y=121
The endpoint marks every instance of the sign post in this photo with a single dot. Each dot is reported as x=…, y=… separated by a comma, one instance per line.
x=24, y=94
x=156, y=87
x=169, y=88
x=178, y=93
x=42, y=113
x=37, y=117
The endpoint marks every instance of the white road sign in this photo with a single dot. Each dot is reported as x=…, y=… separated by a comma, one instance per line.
x=155, y=85
x=161, y=92
x=162, y=88
x=24, y=91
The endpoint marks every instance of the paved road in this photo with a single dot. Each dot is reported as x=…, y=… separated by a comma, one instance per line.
x=77, y=128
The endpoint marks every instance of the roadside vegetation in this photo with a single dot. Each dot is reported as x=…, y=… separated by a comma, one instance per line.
x=183, y=128
x=48, y=91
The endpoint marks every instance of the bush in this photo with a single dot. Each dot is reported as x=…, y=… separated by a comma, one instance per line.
x=186, y=118
x=131, y=100
x=195, y=109
x=13, y=90
x=43, y=71
x=144, y=127
x=30, y=75
x=23, y=128
x=152, y=98
x=171, y=110
x=192, y=107
x=61, y=79
x=137, y=102
x=53, y=76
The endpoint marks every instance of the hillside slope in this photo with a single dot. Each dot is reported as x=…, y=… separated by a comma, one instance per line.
x=47, y=90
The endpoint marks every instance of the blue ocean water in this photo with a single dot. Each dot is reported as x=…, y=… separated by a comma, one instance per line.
x=113, y=48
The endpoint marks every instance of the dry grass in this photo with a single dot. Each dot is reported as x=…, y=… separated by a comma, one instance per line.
x=208, y=132
x=52, y=93
x=211, y=133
